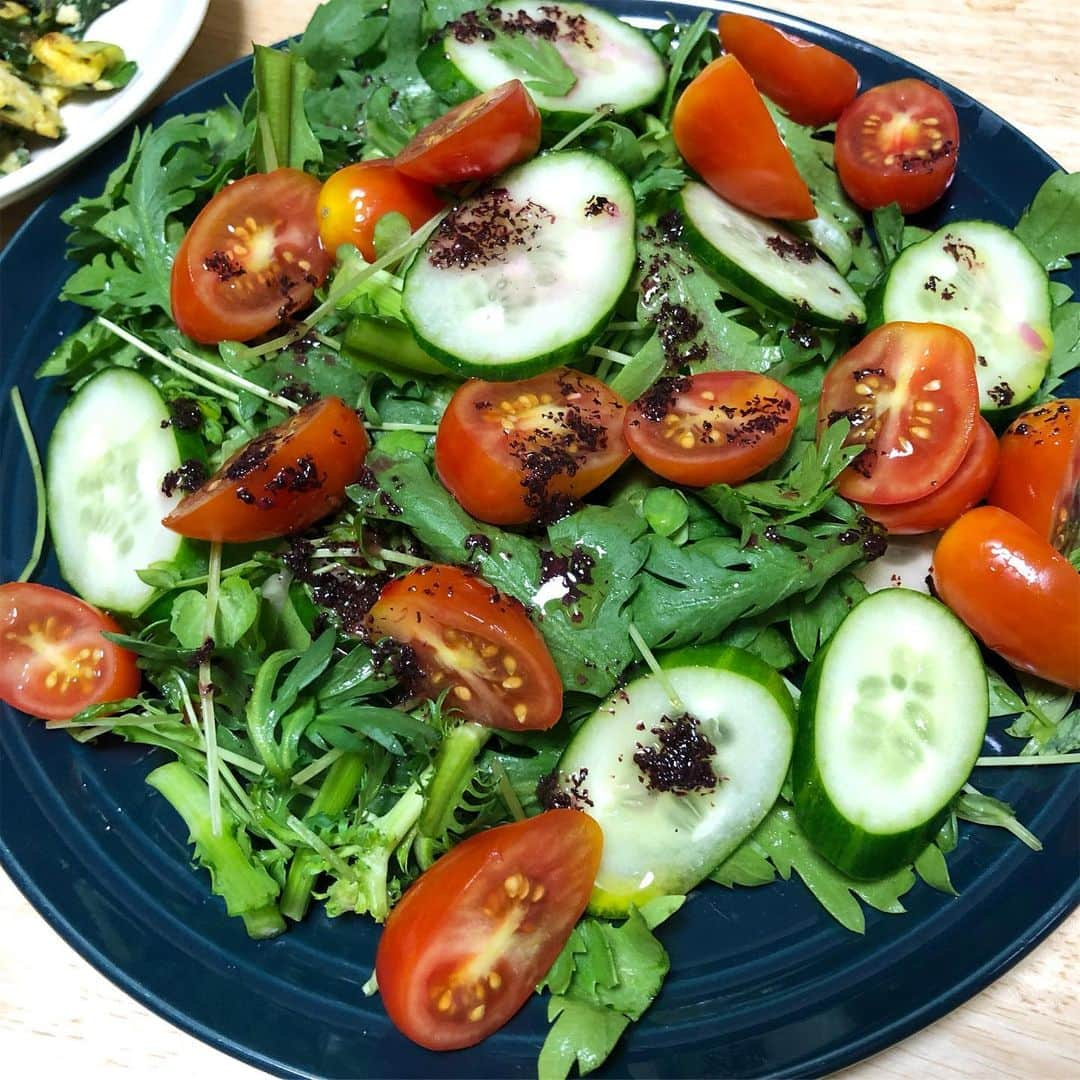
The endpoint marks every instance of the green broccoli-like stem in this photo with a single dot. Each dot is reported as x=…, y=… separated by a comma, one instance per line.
x=454, y=766
x=235, y=875
x=338, y=790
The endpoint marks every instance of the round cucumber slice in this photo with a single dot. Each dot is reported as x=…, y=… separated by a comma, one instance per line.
x=764, y=261
x=613, y=62
x=980, y=279
x=522, y=277
x=659, y=842
x=891, y=719
x=106, y=461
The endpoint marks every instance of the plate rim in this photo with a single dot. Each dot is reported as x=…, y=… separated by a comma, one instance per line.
x=854, y=1050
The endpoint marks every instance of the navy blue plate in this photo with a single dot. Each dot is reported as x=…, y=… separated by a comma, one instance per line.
x=763, y=982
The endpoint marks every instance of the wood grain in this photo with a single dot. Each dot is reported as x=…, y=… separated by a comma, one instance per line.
x=60, y=1017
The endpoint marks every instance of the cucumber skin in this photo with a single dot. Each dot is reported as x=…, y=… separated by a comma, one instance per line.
x=745, y=283
x=860, y=854
x=740, y=662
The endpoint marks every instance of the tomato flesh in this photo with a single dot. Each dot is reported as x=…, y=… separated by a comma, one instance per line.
x=811, y=84
x=967, y=486
x=909, y=392
x=53, y=660
x=250, y=260
x=521, y=451
x=282, y=481
x=1038, y=478
x=720, y=427
x=898, y=143
x=355, y=197
x=473, y=641
x=1014, y=591
x=477, y=139
x=464, y=948
x=725, y=133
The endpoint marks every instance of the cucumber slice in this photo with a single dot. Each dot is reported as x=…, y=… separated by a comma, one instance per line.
x=763, y=261
x=657, y=842
x=891, y=719
x=613, y=63
x=980, y=278
x=524, y=276
x=106, y=460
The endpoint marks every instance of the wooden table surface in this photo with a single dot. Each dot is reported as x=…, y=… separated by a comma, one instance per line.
x=1019, y=57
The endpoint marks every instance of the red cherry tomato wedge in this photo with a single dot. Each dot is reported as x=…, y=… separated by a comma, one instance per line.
x=53, y=660
x=811, y=84
x=909, y=392
x=473, y=641
x=720, y=427
x=250, y=260
x=513, y=452
x=898, y=143
x=284, y=480
x=967, y=486
x=354, y=198
x=466, y=945
x=1038, y=477
x=1014, y=591
x=477, y=139
x=724, y=131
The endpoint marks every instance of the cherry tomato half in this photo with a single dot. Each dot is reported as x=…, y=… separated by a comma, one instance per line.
x=53, y=660
x=1014, y=591
x=512, y=452
x=724, y=131
x=910, y=393
x=1038, y=477
x=354, y=198
x=250, y=260
x=720, y=427
x=967, y=486
x=811, y=84
x=473, y=641
x=898, y=143
x=477, y=139
x=284, y=480
x=466, y=945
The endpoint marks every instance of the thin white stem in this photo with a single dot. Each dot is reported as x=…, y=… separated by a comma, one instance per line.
x=340, y=866
x=400, y=557
x=317, y=766
x=422, y=429
x=610, y=355
x=39, y=484
x=1032, y=759
x=167, y=361
x=237, y=380
x=626, y=325
x=602, y=112
x=206, y=690
x=655, y=668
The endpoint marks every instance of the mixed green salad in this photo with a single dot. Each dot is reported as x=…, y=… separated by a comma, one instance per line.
x=478, y=439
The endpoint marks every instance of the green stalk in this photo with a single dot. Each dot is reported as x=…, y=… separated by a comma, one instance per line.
x=453, y=771
x=237, y=877
x=39, y=483
x=339, y=789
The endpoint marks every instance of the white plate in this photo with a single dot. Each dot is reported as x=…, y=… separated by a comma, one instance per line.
x=153, y=33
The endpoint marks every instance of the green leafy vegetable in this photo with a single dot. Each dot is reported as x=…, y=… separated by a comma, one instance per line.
x=1050, y=226
x=972, y=805
x=282, y=134
x=542, y=67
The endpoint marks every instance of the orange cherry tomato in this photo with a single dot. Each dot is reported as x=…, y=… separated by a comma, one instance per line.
x=910, y=393
x=1038, y=477
x=355, y=197
x=284, y=480
x=811, y=84
x=473, y=641
x=477, y=139
x=53, y=660
x=898, y=143
x=1014, y=591
x=724, y=131
x=464, y=948
x=513, y=452
x=720, y=427
x=250, y=260
x=967, y=486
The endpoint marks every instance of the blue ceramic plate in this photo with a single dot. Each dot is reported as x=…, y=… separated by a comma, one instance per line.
x=763, y=982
